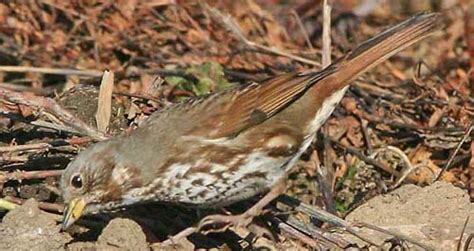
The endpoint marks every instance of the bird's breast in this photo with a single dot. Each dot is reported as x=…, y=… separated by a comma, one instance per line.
x=204, y=183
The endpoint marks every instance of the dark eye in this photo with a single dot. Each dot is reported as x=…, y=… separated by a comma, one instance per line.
x=76, y=181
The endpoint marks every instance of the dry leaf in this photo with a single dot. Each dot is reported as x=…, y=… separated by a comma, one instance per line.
x=436, y=117
x=427, y=170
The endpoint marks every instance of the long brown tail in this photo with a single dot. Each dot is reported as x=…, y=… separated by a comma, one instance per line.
x=381, y=47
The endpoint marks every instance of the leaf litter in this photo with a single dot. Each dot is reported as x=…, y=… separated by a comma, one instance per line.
x=404, y=123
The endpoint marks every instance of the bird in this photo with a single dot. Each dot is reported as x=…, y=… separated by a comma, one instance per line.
x=228, y=146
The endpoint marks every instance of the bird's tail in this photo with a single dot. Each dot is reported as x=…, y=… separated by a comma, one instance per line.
x=379, y=48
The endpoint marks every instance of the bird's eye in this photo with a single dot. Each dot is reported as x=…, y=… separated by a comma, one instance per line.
x=76, y=181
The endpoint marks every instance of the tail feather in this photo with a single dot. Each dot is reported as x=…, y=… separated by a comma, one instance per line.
x=381, y=47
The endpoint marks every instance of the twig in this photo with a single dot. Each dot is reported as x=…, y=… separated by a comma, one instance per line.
x=462, y=234
x=316, y=233
x=8, y=159
x=326, y=34
x=232, y=26
x=312, y=242
x=52, y=207
x=366, y=159
x=365, y=133
x=323, y=179
x=45, y=70
x=44, y=145
x=303, y=30
x=173, y=239
x=57, y=127
x=322, y=171
x=104, y=105
x=468, y=242
x=20, y=148
x=395, y=234
x=137, y=95
x=22, y=175
x=451, y=158
x=322, y=215
x=55, y=109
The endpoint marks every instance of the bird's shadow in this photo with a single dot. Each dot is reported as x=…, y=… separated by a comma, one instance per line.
x=161, y=221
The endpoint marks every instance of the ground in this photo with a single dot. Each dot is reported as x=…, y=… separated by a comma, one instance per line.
x=395, y=155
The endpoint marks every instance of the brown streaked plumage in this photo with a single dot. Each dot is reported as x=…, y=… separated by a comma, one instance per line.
x=215, y=150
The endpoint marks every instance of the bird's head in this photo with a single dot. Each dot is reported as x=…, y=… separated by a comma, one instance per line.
x=96, y=181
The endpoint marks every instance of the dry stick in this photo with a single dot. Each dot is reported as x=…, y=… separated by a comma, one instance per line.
x=104, y=105
x=38, y=123
x=468, y=242
x=451, y=158
x=297, y=234
x=137, y=95
x=303, y=30
x=371, y=87
x=316, y=233
x=366, y=159
x=54, y=108
x=44, y=145
x=326, y=34
x=232, y=26
x=365, y=133
x=322, y=178
x=58, y=208
x=21, y=175
x=322, y=215
x=395, y=234
x=462, y=233
x=29, y=147
x=57, y=127
x=322, y=171
x=172, y=240
x=44, y=70
x=7, y=159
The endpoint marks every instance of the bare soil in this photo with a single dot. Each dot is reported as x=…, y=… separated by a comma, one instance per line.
x=434, y=215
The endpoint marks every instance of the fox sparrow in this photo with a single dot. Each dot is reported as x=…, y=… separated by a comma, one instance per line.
x=219, y=149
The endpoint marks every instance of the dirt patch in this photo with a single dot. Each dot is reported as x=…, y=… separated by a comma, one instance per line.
x=433, y=215
x=29, y=228
x=120, y=234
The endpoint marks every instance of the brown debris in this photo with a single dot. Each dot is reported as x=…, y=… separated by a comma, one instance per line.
x=405, y=122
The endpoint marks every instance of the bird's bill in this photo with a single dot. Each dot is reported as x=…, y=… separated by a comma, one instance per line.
x=73, y=212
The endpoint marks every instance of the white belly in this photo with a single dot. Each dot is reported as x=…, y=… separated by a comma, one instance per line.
x=219, y=187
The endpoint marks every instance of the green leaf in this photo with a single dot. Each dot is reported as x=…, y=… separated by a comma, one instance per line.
x=341, y=206
x=210, y=75
x=175, y=80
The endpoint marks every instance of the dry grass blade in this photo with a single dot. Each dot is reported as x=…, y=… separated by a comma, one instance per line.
x=46, y=70
x=104, y=106
x=326, y=34
x=451, y=158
